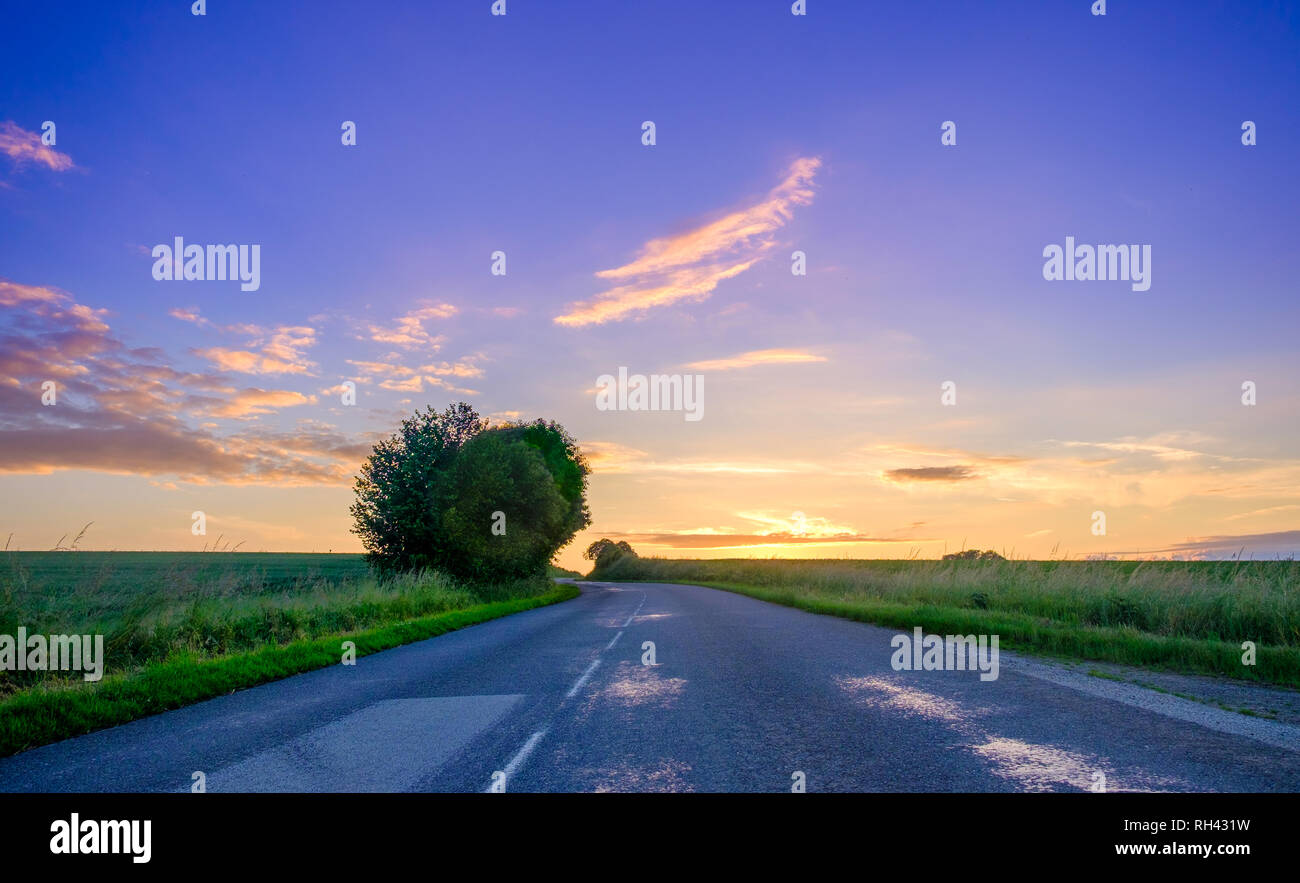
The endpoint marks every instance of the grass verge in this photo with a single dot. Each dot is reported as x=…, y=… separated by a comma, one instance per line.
x=43, y=714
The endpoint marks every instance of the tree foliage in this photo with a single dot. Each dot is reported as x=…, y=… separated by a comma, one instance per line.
x=605, y=552
x=448, y=492
x=974, y=555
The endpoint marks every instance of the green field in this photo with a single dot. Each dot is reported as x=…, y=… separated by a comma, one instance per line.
x=73, y=590
x=181, y=627
x=1181, y=616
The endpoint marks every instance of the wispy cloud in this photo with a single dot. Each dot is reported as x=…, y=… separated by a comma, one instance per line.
x=253, y=401
x=408, y=332
x=690, y=265
x=464, y=367
x=24, y=148
x=1270, y=510
x=609, y=457
x=413, y=378
x=797, y=529
x=276, y=350
x=741, y=540
x=1285, y=543
x=914, y=450
x=1157, y=447
x=756, y=357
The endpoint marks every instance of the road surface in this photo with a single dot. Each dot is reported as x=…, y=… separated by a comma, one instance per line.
x=743, y=696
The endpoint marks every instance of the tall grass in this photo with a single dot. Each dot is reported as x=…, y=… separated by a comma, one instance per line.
x=1191, y=616
x=184, y=627
x=1229, y=600
x=177, y=608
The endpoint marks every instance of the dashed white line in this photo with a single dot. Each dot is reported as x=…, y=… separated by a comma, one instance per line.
x=635, y=612
x=521, y=755
x=577, y=685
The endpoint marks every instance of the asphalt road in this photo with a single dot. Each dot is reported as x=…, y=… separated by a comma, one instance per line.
x=743, y=696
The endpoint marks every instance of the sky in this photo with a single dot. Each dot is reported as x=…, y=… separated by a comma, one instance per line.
x=825, y=430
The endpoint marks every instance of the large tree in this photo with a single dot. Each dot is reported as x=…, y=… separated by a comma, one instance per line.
x=448, y=492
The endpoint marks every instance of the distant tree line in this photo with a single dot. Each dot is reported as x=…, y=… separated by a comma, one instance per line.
x=974, y=555
x=605, y=552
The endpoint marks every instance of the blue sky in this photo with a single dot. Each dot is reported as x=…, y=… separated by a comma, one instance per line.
x=522, y=133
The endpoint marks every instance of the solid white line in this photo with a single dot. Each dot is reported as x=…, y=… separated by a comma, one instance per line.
x=582, y=680
x=614, y=641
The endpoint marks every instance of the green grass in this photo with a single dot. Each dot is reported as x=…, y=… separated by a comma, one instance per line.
x=182, y=627
x=1180, y=616
x=81, y=589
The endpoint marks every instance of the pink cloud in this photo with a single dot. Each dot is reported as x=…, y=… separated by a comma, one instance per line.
x=127, y=410
x=690, y=265
x=408, y=332
x=24, y=147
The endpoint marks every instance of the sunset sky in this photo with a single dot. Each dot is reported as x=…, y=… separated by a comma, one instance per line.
x=823, y=432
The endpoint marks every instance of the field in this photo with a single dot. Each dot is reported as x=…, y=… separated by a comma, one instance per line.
x=181, y=627
x=1182, y=616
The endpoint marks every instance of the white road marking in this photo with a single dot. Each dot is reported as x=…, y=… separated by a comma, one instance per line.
x=577, y=685
x=520, y=756
x=635, y=612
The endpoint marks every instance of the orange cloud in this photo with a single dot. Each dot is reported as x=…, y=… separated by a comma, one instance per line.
x=281, y=348
x=611, y=457
x=797, y=529
x=414, y=384
x=25, y=147
x=741, y=540
x=409, y=331
x=406, y=378
x=245, y=362
x=251, y=401
x=756, y=357
x=124, y=409
x=690, y=265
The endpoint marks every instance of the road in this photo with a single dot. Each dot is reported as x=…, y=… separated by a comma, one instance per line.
x=743, y=696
